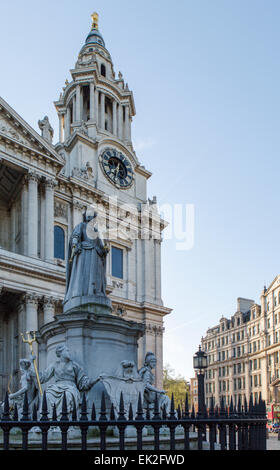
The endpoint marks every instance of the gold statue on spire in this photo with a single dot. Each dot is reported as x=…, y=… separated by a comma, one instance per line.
x=94, y=18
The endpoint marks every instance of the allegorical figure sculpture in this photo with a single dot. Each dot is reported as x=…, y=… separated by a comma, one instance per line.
x=86, y=267
x=69, y=377
x=150, y=391
x=127, y=381
x=28, y=384
x=46, y=129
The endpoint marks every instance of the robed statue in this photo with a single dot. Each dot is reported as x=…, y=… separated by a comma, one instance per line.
x=69, y=380
x=86, y=267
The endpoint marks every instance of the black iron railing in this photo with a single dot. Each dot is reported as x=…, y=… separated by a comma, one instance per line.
x=219, y=428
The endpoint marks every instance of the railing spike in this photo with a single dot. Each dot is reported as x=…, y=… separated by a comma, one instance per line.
x=34, y=413
x=25, y=408
x=15, y=415
x=179, y=413
x=121, y=409
x=64, y=414
x=93, y=412
x=239, y=408
x=211, y=410
x=148, y=414
x=139, y=414
x=44, y=412
x=84, y=416
x=193, y=412
x=156, y=408
x=164, y=414
x=186, y=412
x=130, y=413
x=6, y=411
x=172, y=408
x=245, y=405
x=103, y=415
x=231, y=407
x=54, y=414
x=74, y=412
x=112, y=413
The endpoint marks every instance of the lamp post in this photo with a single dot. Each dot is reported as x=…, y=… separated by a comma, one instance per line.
x=200, y=364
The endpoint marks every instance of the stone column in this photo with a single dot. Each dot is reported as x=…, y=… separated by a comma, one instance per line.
x=231, y=382
x=96, y=101
x=157, y=248
x=78, y=103
x=217, y=393
x=114, y=117
x=49, y=219
x=102, y=111
x=67, y=123
x=61, y=126
x=91, y=101
x=120, y=121
x=32, y=221
x=76, y=213
x=31, y=317
x=127, y=122
x=24, y=216
x=159, y=355
x=49, y=309
x=42, y=212
x=247, y=380
x=13, y=228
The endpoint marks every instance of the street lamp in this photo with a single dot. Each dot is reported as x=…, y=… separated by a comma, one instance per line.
x=200, y=364
x=200, y=360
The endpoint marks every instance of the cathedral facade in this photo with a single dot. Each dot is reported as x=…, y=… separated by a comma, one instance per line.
x=46, y=187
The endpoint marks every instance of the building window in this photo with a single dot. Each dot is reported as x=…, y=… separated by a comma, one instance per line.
x=117, y=262
x=103, y=70
x=59, y=242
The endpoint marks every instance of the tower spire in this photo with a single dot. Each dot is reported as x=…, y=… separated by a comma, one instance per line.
x=94, y=18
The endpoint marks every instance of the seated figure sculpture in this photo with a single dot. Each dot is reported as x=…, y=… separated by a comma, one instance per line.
x=127, y=381
x=151, y=392
x=69, y=377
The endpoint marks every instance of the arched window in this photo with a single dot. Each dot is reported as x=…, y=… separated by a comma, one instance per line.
x=103, y=70
x=59, y=242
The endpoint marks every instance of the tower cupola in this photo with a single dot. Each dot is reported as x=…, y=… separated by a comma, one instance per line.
x=94, y=36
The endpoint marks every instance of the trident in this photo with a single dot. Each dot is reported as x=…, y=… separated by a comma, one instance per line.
x=31, y=340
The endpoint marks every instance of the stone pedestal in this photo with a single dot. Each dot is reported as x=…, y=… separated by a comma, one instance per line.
x=97, y=342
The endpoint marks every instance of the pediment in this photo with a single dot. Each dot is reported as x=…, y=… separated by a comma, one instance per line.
x=15, y=128
x=10, y=130
x=275, y=283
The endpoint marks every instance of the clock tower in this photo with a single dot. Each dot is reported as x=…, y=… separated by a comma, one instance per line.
x=95, y=111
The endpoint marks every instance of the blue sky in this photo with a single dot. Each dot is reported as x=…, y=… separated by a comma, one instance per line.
x=205, y=77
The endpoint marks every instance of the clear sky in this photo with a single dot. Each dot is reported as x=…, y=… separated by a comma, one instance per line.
x=205, y=76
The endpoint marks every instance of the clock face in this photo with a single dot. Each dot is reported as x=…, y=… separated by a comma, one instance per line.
x=117, y=168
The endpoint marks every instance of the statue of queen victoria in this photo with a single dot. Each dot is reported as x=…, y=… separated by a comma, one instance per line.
x=86, y=268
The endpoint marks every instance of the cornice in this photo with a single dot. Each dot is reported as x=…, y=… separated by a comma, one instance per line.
x=25, y=265
x=29, y=132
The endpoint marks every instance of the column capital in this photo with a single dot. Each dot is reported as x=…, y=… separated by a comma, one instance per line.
x=78, y=205
x=31, y=298
x=50, y=183
x=48, y=301
x=32, y=176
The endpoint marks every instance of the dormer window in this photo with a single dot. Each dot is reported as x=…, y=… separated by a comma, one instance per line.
x=103, y=70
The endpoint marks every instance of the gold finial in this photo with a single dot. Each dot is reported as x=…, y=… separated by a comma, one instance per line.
x=94, y=18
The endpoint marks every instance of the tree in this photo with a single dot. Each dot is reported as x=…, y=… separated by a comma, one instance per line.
x=176, y=385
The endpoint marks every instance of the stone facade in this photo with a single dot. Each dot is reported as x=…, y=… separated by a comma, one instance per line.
x=44, y=188
x=243, y=351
